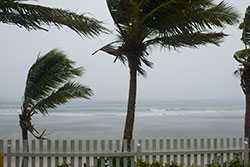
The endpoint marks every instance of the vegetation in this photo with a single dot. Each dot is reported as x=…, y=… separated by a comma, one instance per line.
x=64, y=165
x=140, y=163
x=48, y=85
x=243, y=57
x=34, y=17
x=143, y=24
x=233, y=163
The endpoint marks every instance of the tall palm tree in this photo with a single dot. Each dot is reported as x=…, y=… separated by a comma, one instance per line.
x=34, y=17
x=48, y=85
x=243, y=57
x=171, y=24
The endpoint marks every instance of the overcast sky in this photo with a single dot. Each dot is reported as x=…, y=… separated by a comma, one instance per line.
x=203, y=73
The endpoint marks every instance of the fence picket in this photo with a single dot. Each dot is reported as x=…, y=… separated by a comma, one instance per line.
x=189, y=160
x=72, y=150
x=154, y=148
x=234, y=142
x=9, y=150
x=187, y=146
x=56, y=151
x=125, y=161
x=80, y=149
x=64, y=147
x=175, y=144
x=202, y=143
x=202, y=160
x=33, y=150
x=117, y=149
x=87, y=144
x=168, y=144
x=49, y=151
x=17, y=151
x=41, y=151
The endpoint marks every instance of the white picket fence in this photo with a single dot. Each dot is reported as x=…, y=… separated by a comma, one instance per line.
x=102, y=153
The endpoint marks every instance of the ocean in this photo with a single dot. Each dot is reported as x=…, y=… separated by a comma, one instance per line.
x=154, y=119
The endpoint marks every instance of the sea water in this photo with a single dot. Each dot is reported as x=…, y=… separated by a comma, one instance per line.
x=154, y=119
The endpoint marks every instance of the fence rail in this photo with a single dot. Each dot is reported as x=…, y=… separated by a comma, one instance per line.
x=101, y=153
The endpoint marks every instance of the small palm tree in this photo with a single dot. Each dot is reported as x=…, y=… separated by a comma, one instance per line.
x=48, y=85
x=143, y=24
x=34, y=17
x=243, y=57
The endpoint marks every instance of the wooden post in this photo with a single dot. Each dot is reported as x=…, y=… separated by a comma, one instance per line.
x=1, y=154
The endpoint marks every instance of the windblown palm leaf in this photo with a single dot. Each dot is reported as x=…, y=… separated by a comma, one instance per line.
x=49, y=85
x=35, y=17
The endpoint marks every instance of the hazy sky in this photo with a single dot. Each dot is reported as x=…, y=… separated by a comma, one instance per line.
x=203, y=73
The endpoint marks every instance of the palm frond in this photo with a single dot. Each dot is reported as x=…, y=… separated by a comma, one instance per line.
x=47, y=74
x=33, y=17
x=186, y=40
x=242, y=56
x=67, y=92
x=167, y=23
x=246, y=28
x=114, y=50
x=187, y=16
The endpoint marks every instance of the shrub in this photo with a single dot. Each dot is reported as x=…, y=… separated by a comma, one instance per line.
x=64, y=165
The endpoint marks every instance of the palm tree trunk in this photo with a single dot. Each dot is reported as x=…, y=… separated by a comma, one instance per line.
x=247, y=116
x=129, y=125
x=25, y=138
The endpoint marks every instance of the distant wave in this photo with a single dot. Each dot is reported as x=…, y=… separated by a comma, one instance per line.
x=153, y=112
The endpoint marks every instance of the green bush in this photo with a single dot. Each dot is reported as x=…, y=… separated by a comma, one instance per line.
x=64, y=165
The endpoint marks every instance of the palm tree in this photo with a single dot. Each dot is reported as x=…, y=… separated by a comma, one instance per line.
x=48, y=85
x=243, y=57
x=35, y=17
x=142, y=24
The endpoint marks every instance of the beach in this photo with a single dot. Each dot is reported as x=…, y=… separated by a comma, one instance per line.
x=105, y=120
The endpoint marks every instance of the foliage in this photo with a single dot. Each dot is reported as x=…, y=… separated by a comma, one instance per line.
x=246, y=28
x=48, y=85
x=141, y=163
x=64, y=165
x=233, y=163
x=243, y=56
x=34, y=17
x=143, y=24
